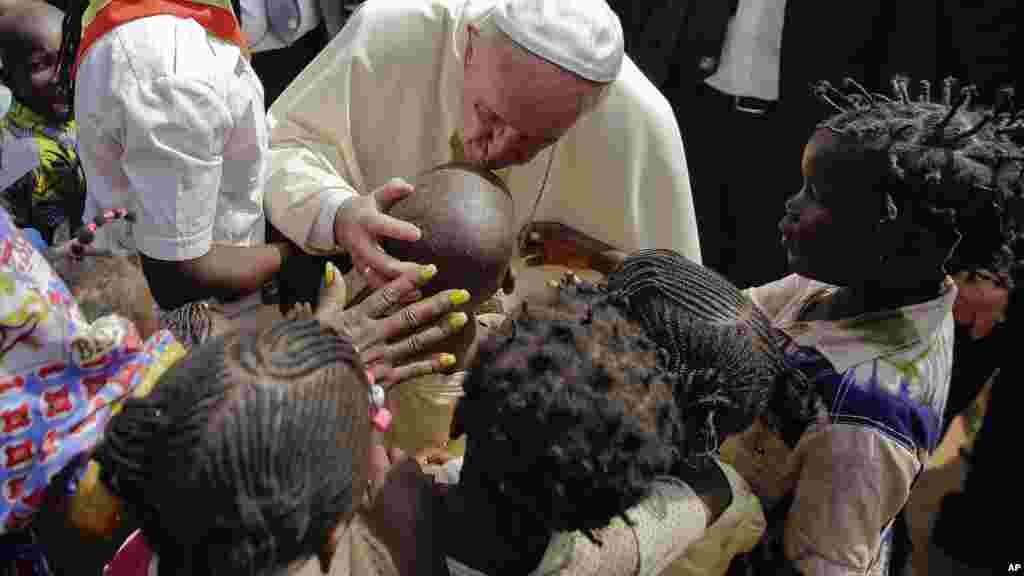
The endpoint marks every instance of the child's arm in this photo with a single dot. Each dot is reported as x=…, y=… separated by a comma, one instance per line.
x=852, y=482
x=223, y=272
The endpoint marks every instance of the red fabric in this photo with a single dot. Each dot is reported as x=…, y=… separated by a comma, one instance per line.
x=132, y=559
x=220, y=22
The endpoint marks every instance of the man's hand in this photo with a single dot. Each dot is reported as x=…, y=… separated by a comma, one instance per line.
x=360, y=220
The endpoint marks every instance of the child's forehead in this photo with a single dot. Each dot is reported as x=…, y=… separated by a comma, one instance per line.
x=31, y=31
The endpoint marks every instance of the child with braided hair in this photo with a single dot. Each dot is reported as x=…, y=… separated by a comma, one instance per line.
x=888, y=185
x=63, y=377
x=703, y=324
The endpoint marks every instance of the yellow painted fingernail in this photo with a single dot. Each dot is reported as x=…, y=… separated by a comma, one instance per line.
x=460, y=297
x=330, y=273
x=427, y=272
x=457, y=320
x=447, y=360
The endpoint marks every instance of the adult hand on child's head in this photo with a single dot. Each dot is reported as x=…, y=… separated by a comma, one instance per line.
x=361, y=220
x=385, y=327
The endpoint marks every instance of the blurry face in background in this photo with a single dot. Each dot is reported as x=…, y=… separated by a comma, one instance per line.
x=981, y=303
x=33, y=70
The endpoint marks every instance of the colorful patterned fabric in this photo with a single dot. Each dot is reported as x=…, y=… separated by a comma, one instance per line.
x=60, y=378
x=35, y=183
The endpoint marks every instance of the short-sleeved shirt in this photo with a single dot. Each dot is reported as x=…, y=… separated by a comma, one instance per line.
x=884, y=377
x=172, y=125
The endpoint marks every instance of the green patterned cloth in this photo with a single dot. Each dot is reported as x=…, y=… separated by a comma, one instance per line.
x=40, y=176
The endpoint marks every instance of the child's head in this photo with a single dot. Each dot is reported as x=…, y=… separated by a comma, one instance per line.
x=249, y=453
x=567, y=418
x=30, y=39
x=467, y=218
x=887, y=184
x=115, y=284
x=702, y=322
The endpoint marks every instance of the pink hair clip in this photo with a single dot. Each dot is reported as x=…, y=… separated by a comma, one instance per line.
x=379, y=415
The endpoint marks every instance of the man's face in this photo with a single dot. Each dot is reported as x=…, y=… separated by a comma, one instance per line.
x=514, y=104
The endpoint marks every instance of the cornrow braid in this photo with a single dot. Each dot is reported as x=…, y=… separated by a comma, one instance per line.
x=208, y=460
x=953, y=165
x=723, y=347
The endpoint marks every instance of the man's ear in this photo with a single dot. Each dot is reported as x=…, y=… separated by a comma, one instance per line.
x=508, y=283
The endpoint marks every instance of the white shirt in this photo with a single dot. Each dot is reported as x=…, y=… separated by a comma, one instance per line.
x=383, y=100
x=749, y=64
x=172, y=124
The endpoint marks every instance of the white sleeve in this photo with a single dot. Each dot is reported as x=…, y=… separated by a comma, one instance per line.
x=175, y=130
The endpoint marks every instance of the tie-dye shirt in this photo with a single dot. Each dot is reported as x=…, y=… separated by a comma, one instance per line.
x=60, y=377
x=39, y=169
x=884, y=377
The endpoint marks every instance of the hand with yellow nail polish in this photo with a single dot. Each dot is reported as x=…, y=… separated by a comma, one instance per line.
x=387, y=328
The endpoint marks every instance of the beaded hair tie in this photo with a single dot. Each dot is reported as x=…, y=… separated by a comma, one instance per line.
x=379, y=415
x=76, y=247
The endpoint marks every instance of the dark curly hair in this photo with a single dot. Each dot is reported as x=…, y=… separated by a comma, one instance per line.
x=946, y=164
x=568, y=418
x=248, y=452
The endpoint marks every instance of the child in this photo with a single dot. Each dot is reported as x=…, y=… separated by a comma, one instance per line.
x=43, y=186
x=265, y=503
x=75, y=373
x=275, y=491
x=703, y=323
x=868, y=310
x=570, y=427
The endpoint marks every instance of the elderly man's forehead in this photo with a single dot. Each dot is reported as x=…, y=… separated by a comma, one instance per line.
x=539, y=98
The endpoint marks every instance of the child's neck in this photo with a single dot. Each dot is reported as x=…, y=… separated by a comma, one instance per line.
x=855, y=300
x=710, y=484
x=484, y=535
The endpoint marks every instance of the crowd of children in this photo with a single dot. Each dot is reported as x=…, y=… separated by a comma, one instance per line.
x=656, y=420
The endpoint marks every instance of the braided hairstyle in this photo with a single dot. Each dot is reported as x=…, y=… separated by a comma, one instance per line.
x=949, y=166
x=248, y=453
x=568, y=418
x=705, y=325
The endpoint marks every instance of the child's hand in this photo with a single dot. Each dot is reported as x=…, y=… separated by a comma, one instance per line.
x=381, y=324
